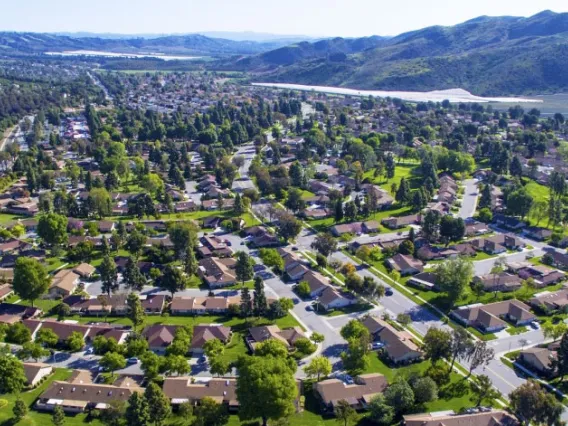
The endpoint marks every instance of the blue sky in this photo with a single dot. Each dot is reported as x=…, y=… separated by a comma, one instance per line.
x=348, y=18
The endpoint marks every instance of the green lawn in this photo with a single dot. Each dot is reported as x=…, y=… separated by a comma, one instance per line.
x=407, y=171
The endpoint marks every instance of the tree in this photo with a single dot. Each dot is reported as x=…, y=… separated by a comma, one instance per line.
x=403, y=192
x=437, y=344
x=12, y=377
x=561, y=363
x=151, y=364
x=318, y=367
x=533, y=405
x=453, y=277
x=431, y=225
x=480, y=355
x=390, y=166
x=425, y=389
x=112, y=361
x=354, y=329
x=380, y=412
x=30, y=279
x=485, y=215
x=210, y=413
x=338, y=210
x=183, y=236
x=135, y=242
x=483, y=391
x=219, y=366
x=461, y=345
x=516, y=168
x=324, y=244
x=190, y=262
x=175, y=364
x=404, y=319
x=32, y=350
x=18, y=333
x=238, y=206
x=244, y=267
x=266, y=388
x=213, y=348
x=288, y=227
x=138, y=410
x=135, y=310
x=109, y=275
x=99, y=202
x=159, y=403
x=344, y=413
x=58, y=416
x=47, y=337
x=452, y=229
x=406, y=247
x=519, y=202
x=114, y=414
x=260, y=303
x=295, y=202
x=400, y=396
x=20, y=410
x=172, y=280
x=317, y=337
x=271, y=258
x=52, y=228
x=303, y=289
x=356, y=358
x=554, y=331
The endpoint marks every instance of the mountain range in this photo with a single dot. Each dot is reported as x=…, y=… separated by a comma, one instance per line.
x=485, y=55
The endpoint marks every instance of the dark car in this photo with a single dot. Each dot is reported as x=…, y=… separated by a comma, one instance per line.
x=295, y=300
x=388, y=291
x=294, y=248
x=258, y=268
x=309, y=308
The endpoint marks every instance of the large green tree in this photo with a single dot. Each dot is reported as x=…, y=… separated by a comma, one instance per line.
x=12, y=377
x=52, y=228
x=30, y=279
x=453, y=277
x=159, y=403
x=172, y=280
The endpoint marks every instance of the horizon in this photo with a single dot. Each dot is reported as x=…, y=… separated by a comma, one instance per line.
x=337, y=18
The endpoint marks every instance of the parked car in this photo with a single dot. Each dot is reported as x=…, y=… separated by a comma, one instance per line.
x=258, y=268
x=388, y=291
x=133, y=360
x=295, y=300
x=375, y=346
x=309, y=308
x=294, y=248
x=535, y=325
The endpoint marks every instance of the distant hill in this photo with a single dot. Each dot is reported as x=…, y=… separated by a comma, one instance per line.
x=486, y=55
x=195, y=44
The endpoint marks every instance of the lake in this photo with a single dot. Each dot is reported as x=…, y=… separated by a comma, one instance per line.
x=122, y=55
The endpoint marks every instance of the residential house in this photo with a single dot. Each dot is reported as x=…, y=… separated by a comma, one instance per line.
x=79, y=393
x=210, y=305
x=217, y=272
x=153, y=304
x=473, y=229
x=330, y=392
x=159, y=336
x=425, y=280
x=494, y=316
x=402, y=221
x=212, y=245
x=204, y=333
x=182, y=390
x=499, y=243
x=263, y=333
x=509, y=222
x=537, y=233
x=64, y=283
x=398, y=345
x=501, y=281
x=214, y=204
x=405, y=265
x=84, y=270
x=318, y=213
x=294, y=266
x=317, y=282
x=490, y=418
x=261, y=237
x=356, y=228
x=35, y=372
x=5, y=291
x=428, y=252
x=557, y=259
x=11, y=313
x=185, y=206
x=384, y=199
x=551, y=302
x=541, y=275
x=333, y=299
x=540, y=360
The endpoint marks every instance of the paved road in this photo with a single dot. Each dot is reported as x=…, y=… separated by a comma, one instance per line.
x=192, y=191
x=248, y=152
x=469, y=201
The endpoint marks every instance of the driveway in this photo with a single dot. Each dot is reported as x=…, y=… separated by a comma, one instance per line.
x=469, y=202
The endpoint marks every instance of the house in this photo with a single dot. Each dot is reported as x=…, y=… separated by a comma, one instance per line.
x=425, y=280
x=540, y=360
x=537, y=233
x=294, y=266
x=509, y=222
x=473, y=229
x=358, y=395
x=84, y=270
x=106, y=226
x=210, y=305
x=398, y=345
x=5, y=291
x=541, y=275
x=332, y=299
x=492, y=317
x=318, y=213
x=204, y=333
x=80, y=394
x=557, y=259
x=402, y=221
x=490, y=418
x=214, y=204
x=428, y=252
x=64, y=283
x=217, y=272
x=498, y=243
x=153, y=304
x=550, y=302
x=11, y=313
x=384, y=199
x=213, y=246
x=211, y=222
x=159, y=336
x=357, y=228
x=185, y=206
x=317, y=282
x=261, y=237
x=35, y=372
x=501, y=281
x=181, y=390
x=263, y=333
x=404, y=264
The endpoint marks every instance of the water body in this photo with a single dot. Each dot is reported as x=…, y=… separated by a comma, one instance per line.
x=121, y=55
x=452, y=95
